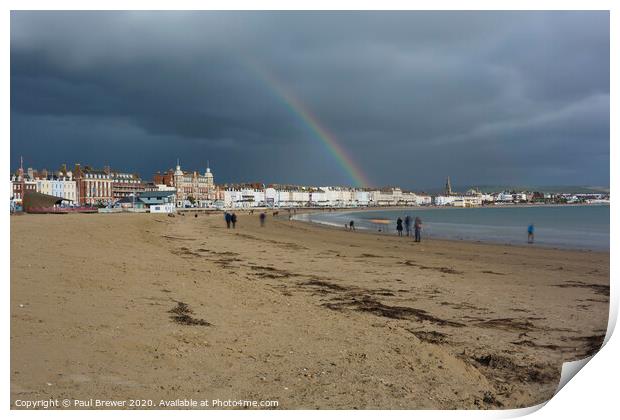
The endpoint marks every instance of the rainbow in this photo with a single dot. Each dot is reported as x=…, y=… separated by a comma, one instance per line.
x=297, y=108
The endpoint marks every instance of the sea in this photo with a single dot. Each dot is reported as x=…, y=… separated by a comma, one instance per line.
x=562, y=226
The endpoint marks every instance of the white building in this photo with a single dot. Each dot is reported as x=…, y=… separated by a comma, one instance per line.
x=300, y=198
x=339, y=197
x=505, y=197
x=408, y=199
x=459, y=200
x=236, y=197
x=284, y=198
x=424, y=200
x=487, y=198
x=361, y=198
x=445, y=200
x=271, y=197
x=252, y=198
x=389, y=197
x=292, y=197
x=232, y=197
x=468, y=201
x=318, y=198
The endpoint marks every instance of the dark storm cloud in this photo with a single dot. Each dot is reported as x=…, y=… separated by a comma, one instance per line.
x=517, y=97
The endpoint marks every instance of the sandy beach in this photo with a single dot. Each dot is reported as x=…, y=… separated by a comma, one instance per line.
x=141, y=306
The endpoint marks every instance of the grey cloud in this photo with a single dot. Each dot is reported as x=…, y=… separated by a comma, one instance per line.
x=521, y=96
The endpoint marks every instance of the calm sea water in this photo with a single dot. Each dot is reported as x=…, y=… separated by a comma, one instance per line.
x=578, y=227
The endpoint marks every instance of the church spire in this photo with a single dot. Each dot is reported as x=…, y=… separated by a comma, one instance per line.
x=448, y=189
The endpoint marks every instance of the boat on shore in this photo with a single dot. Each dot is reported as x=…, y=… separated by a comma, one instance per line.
x=61, y=210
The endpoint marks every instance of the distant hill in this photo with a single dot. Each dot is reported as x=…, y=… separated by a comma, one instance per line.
x=574, y=189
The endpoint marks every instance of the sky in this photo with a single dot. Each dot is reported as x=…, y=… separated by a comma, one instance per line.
x=317, y=98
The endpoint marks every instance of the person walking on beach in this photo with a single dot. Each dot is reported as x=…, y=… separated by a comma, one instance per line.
x=399, y=226
x=262, y=219
x=228, y=219
x=233, y=219
x=417, y=229
x=530, y=234
x=352, y=225
x=408, y=225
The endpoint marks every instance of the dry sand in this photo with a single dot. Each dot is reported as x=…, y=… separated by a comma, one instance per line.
x=309, y=316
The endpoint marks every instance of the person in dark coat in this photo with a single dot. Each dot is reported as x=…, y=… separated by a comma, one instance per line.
x=399, y=226
x=233, y=219
x=228, y=219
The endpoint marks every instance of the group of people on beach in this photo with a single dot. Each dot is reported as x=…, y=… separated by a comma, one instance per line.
x=409, y=225
x=416, y=224
x=231, y=219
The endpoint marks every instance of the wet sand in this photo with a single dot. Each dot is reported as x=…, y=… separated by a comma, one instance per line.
x=121, y=306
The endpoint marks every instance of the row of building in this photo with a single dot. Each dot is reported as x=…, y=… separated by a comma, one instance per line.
x=86, y=186
x=247, y=196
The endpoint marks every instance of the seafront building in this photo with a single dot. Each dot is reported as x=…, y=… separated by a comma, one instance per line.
x=124, y=184
x=94, y=186
x=20, y=185
x=293, y=197
x=504, y=197
x=192, y=188
x=471, y=199
x=87, y=187
x=397, y=197
x=59, y=185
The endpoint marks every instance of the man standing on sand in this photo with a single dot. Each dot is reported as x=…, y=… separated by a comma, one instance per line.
x=228, y=219
x=530, y=234
x=399, y=226
x=417, y=228
x=233, y=219
x=352, y=225
x=262, y=219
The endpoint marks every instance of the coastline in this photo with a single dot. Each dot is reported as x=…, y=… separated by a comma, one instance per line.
x=300, y=217
x=384, y=322
x=438, y=240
